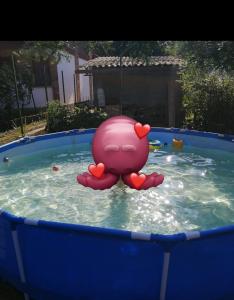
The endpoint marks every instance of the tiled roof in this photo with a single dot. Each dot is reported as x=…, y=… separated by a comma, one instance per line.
x=114, y=61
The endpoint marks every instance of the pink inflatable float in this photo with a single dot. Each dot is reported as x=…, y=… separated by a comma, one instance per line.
x=120, y=149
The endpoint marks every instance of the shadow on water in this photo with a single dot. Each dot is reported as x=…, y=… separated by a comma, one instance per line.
x=118, y=216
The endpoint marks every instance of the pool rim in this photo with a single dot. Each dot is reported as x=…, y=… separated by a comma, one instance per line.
x=168, y=239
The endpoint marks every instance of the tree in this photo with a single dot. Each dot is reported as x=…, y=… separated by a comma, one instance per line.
x=207, y=83
x=45, y=52
x=13, y=89
x=208, y=55
x=31, y=51
x=209, y=100
x=142, y=49
x=7, y=84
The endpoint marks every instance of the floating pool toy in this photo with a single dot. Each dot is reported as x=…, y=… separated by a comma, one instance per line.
x=177, y=144
x=155, y=145
x=120, y=149
x=5, y=159
x=55, y=168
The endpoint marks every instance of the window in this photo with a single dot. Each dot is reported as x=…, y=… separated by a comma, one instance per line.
x=42, y=74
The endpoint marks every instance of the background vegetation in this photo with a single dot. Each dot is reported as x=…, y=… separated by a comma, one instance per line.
x=207, y=82
x=62, y=118
x=207, y=79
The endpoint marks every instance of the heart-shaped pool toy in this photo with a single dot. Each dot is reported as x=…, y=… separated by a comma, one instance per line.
x=137, y=180
x=97, y=170
x=141, y=130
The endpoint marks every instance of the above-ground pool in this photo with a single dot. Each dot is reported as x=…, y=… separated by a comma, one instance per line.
x=60, y=240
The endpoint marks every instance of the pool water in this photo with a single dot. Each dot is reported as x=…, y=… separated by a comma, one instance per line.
x=197, y=193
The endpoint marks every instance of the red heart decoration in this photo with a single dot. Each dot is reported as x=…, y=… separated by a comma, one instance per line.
x=137, y=180
x=141, y=130
x=97, y=170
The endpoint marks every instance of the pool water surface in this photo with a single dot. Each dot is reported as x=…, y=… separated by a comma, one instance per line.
x=197, y=192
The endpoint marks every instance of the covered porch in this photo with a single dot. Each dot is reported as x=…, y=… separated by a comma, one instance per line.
x=147, y=91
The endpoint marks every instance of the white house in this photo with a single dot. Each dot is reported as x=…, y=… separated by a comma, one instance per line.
x=66, y=72
x=63, y=83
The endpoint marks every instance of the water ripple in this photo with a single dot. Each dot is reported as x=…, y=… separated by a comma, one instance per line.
x=197, y=192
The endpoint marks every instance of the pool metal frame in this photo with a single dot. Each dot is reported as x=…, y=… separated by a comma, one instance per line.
x=167, y=242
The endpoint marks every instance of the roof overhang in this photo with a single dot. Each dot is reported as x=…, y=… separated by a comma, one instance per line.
x=101, y=64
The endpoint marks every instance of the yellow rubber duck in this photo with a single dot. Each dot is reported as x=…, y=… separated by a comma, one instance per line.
x=177, y=144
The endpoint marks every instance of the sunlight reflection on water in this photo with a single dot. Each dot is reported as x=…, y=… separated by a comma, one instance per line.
x=197, y=192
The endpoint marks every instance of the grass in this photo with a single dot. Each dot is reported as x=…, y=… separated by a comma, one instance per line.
x=15, y=134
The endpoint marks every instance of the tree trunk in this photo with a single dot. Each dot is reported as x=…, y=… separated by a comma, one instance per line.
x=17, y=95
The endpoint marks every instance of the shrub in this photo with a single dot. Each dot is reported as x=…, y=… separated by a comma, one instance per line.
x=57, y=118
x=208, y=100
x=61, y=118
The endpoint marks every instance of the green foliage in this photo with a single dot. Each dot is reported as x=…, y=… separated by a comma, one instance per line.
x=207, y=83
x=7, y=83
x=42, y=51
x=207, y=80
x=61, y=118
x=57, y=118
x=208, y=99
x=31, y=51
x=142, y=49
x=208, y=55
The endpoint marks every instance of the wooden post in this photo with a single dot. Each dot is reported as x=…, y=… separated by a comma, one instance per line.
x=54, y=81
x=77, y=77
x=121, y=84
x=171, y=103
x=45, y=83
x=91, y=93
x=64, y=99
x=17, y=95
x=74, y=81
x=91, y=88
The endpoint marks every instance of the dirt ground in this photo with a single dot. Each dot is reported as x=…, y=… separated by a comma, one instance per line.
x=12, y=135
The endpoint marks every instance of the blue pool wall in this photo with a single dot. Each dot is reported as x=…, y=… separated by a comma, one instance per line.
x=52, y=260
x=190, y=137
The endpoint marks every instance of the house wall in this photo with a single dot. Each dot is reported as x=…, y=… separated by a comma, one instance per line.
x=84, y=84
x=6, y=49
x=54, y=81
x=55, y=90
x=68, y=68
x=39, y=97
